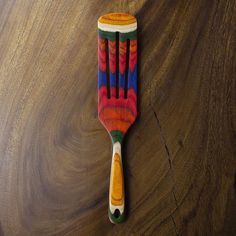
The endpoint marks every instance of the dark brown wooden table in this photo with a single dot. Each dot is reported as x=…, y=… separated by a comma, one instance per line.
x=179, y=157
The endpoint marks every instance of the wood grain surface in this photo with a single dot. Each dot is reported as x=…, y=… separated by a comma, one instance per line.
x=179, y=157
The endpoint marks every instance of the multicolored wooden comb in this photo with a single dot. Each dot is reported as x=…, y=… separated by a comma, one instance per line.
x=117, y=95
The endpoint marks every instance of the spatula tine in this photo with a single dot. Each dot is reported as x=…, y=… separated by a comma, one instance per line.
x=122, y=67
x=132, y=75
x=102, y=78
x=112, y=66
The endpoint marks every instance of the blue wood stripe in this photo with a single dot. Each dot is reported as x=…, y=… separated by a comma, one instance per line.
x=132, y=79
x=122, y=80
x=102, y=80
x=113, y=79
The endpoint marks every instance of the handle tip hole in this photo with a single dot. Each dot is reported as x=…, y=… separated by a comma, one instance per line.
x=116, y=213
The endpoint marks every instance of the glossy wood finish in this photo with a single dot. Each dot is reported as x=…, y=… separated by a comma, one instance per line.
x=117, y=94
x=55, y=154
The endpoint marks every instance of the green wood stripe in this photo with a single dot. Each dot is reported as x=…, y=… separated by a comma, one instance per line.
x=130, y=35
x=122, y=36
x=107, y=35
x=114, y=219
x=117, y=136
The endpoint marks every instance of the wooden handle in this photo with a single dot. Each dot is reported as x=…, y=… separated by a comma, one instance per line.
x=116, y=192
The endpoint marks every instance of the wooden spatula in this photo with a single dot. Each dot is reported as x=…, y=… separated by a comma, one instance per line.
x=117, y=95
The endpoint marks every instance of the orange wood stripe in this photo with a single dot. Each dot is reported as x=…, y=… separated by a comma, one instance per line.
x=117, y=113
x=117, y=19
x=116, y=125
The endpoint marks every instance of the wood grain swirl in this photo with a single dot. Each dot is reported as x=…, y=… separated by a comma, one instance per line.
x=54, y=153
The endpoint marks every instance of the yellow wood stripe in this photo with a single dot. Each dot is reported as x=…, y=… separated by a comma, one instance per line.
x=117, y=188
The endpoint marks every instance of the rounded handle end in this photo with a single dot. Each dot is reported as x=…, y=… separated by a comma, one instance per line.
x=116, y=217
